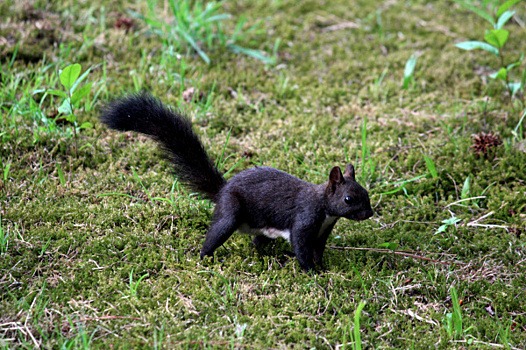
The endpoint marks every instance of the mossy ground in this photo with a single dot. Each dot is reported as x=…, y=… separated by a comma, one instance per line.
x=87, y=217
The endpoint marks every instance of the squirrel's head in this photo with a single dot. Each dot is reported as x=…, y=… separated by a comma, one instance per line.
x=345, y=197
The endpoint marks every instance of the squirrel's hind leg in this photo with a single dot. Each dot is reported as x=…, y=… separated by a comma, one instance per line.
x=225, y=221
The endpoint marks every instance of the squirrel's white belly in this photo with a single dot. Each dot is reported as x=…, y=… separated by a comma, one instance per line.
x=274, y=233
x=269, y=232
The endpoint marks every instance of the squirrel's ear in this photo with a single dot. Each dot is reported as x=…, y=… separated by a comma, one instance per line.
x=349, y=171
x=335, y=178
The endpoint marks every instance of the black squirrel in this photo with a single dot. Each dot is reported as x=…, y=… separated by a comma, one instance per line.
x=263, y=201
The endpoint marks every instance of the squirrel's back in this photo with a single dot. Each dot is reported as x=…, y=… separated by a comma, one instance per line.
x=147, y=115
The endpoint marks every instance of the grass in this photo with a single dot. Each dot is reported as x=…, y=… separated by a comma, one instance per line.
x=99, y=244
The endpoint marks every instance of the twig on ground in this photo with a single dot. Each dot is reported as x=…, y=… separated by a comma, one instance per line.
x=403, y=253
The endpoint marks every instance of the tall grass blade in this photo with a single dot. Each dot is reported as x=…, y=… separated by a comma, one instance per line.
x=457, y=314
x=431, y=167
x=356, y=330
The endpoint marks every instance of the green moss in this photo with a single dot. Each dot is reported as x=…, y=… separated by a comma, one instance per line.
x=72, y=246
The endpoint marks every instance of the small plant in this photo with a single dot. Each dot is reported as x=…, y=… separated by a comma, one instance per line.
x=198, y=26
x=431, y=167
x=73, y=95
x=80, y=340
x=134, y=285
x=453, y=320
x=409, y=72
x=60, y=174
x=494, y=41
x=466, y=188
x=70, y=79
x=446, y=223
x=389, y=245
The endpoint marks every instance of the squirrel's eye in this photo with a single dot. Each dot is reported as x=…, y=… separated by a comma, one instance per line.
x=348, y=199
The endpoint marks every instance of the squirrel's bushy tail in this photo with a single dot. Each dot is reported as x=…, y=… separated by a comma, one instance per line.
x=147, y=115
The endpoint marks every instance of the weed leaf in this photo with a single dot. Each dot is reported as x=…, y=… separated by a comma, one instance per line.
x=86, y=125
x=465, y=188
x=504, y=7
x=472, y=45
x=69, y=75
x=65, y=108
x=451, y=221
x=431, y=167
x=80, y=93
x=514, y=87
x=58, y=93
x=504, y=19
x=80, y=79
x=6, y=171
x=497, y=37
x=389, y=245
x=516, y=63
x=478, y=11
x=441, y=229
x=60, y=174
x=409, y=70
x=500, y=74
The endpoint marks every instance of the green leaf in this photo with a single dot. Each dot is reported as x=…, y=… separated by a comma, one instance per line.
x=457, y=314
x=80, y=93
x=500, y=74
x=504, y=7
x=192, y=43
x=478, y=11
x=356, y=328
x=6, y=171
x=496, y=37
x=69, y=75
x=515, y=87
x=431, y=167
x=59, y=93
x=465, y=188
x=79, y=80
x=409, y=70
x=389, y=245
x=60, y=174
x=442, y=228
x=504, y=19
x=65, y=108
x=516, y=63
x=472, y=45
x=86, y=125
x=451, y=221
x=257, y=54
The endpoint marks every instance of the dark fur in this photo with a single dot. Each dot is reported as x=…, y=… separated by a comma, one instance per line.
x=147, y=115
x=255, y=199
